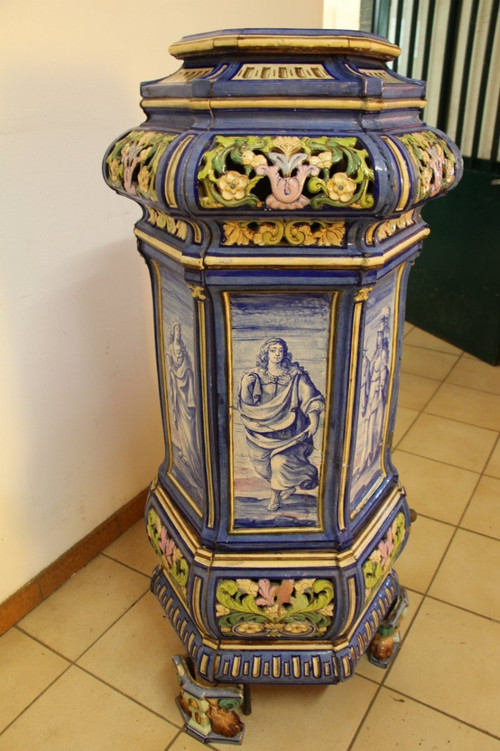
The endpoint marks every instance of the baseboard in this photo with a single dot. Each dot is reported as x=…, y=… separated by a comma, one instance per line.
x=47, y=581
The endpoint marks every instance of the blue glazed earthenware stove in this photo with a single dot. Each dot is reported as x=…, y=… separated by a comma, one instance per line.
x=281, y=175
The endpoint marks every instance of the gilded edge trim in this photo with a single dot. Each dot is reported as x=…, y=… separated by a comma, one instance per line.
x=163, y=381
x=281, y=261
x=351, y=391
x=206, y=412
x=329, y=376
x=405, y=180
x=316, y=262
x=394, y=346
x=172, y=170
x=196, y=605
x=311, y=103
x=316, y=43
x=168, y=250
x=269, y=560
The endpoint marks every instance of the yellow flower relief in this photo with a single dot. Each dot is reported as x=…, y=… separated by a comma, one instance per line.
x=323, y=160
x=232, y=185
x=251, y=159
x=143, y=179
x=341, y=188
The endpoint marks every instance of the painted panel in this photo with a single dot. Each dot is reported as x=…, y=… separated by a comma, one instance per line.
x=377, y=364
x=280, y=371
x=183, y=405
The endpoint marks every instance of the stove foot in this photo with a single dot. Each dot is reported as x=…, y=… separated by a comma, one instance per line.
x=386, y=642
x=209, y=711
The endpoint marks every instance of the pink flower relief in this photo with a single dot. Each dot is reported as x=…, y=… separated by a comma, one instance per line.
x=386, y=546
x=167, y=546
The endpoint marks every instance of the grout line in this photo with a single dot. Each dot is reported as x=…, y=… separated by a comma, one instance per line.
x=74, y=661
x=38, y=696
x=127, y=565
x=440, y=461
x=125, y=695
x=462, y=609
x=112, y=625
x=174, y=740
x=460, y=720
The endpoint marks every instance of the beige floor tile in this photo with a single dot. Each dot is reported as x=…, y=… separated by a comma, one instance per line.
x=407, y=328
x=493, y=466
x=448, y=441
x=422, y=555
x=450, y=662
x=427, y=362
x=476, y=374
x=296, y=718
x=26, y=668
x=396, y=722
x=415, y=391
x=466, y=405
x=404, y=420
x=80, y=713
x=186, y=743
x=72, y=618
x=365, y=667
x=435, y=489
x=468, y=576
x=482, y=515
x=135, y=656
x=134, y=549
x=419, y=338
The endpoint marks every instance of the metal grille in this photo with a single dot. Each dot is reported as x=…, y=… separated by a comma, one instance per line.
x=455, y=46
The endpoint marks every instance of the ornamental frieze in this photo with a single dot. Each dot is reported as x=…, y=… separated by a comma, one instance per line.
x=133, y=162
x=265, y=608
x=174, y=565
x=435, y=162
x=278, y=232
x=286, y=173
x=379, y=563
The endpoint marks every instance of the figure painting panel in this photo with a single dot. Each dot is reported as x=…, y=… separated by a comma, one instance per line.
x=182, y=390
x=376, y=367
x=280, y=351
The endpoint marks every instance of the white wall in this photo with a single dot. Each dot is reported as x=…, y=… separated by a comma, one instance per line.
x=79, y=414
x=341, y=14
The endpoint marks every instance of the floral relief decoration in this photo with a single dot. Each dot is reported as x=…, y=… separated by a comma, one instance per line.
x=322, y=234
x=379, y=563
x=166, y=222
x=391, y=226
x=173, y=562
x=434, y=160
x=264, y=608
x=285, y=173
x=133, y=162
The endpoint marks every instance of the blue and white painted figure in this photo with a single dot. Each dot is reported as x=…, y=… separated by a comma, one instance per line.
x=374, y=391
x=280, y=408
x=183, y=400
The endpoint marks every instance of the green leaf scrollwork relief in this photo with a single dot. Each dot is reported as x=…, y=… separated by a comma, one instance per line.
x=174, y=564
x=264, y=608
x=434, y=161
x=285, y=173
x=133, y=162
x=378, y=565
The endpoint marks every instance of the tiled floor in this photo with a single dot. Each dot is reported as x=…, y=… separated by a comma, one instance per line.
x=90, y=668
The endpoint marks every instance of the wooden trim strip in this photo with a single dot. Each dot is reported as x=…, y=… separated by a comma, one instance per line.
x=47, y=581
